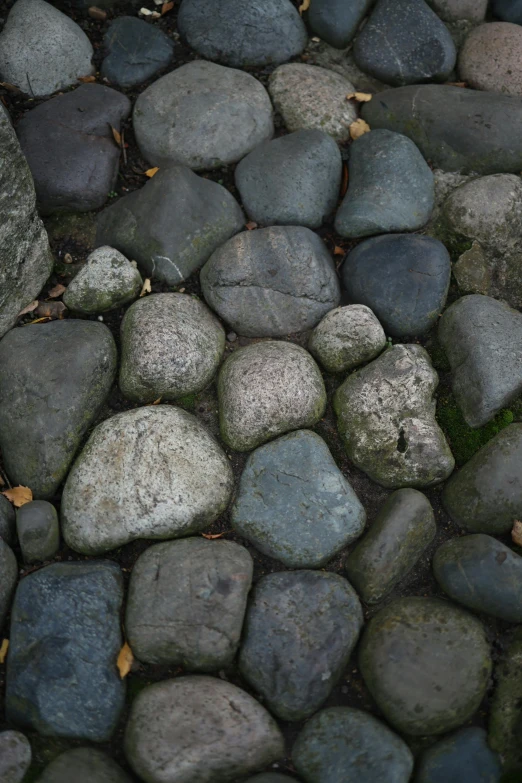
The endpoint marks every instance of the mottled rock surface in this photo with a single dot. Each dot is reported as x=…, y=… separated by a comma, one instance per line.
x=491, y=58
x=135, y=51
x=8, y=578
x=83, y=765
x=38, y=531
x=15, y=756
x=504, y=719
x=107, y=281
x=464, y=755
x=346, y=337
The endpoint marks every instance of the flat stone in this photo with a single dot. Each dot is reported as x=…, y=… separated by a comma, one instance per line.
x=341, y=742
x=106, y=282
x=335, y=21
x=426, y=663
x=47, y=406
x=38, y=531
x=401, y=532
x=43, y=50
x=243, y=35
x=202, y=115
x=403, y=278
x=504, y=718
x=83, y=765
x=140, y=225
x=508, y=10
x=171, y=346
x=490, y=58
x=186, y=603
x=390, y=187
x=291, y=180
x=300, y=629
x=199, y=730
x=294, y=504
x=15, y=756
x=135, y=51
x=464, y=755
x=271, y=282
x=453, y=10
x=65, y=638
x=8, y=578
x=173, y=482
x=265, y=390
x=386, y=419
x=309, y=97
x=347, y=337
x=7, y=521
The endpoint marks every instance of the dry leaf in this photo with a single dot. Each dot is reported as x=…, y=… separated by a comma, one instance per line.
x=212, y=536
x=146, y=289
x=151, y=172
x=344, y=181
x=86, y=79
x=67, y=259
x=250, y=225
x=516, y=533
x=156, y=402
x=116, y=135
x=18, y=496
x=58, y=290
x=456, y=84
x=338, y=251
x=39, y=321
x=360, y=97
x=166, y=7
x=3, y=649
x=9, y=87
x=50, y=310
x=305, y=5
x=97, y=13
x=125, y=659
x=358, y=128
x=29, y=308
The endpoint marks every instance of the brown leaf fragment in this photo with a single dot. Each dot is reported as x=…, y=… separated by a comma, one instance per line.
x=146, y=288
x=250, y=225
x=39, y=321
x=3, y=649
x=166, y=7
x=305, y=5
x=18, y=496
x=516, y=532
x=125, y=660
x=156, y=402
x=212, y=536
x=344, y=181
x=456, y=84
x=29, y=308
x=10, y=87
x=52, y=310
x=358, y=128
x=97, y=13
x=86, y=79
x=338, y=251
x=116, y=136
x=151, y=172
x=56, y=291
x=360, y=97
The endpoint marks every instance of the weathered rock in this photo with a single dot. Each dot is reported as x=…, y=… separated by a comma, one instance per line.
x=38, y=531
x=7, y=521
x=472, y=271
x=508, y=10
x=83, y=765
x=135, y=50
x=15, y=756
x=346, y=337
x=107, y=281
x=504, y=719
x=464, y=755
x=453, y=10
x=335, y=21
x=8, y=578
x=491, y=58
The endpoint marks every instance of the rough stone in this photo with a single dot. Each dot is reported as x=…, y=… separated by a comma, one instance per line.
x=508, y=10
x=335, y=21
x=15, y=756
x=464, y=755
x=472, y=271
x=83, y=765
x=504, y=718
x=38, y=531
x=107, y=281
x=491, y=58
x=7, y=521
x=346, y=337
x=453, y=10
x=341, y=61
x=135, y=51
x=8, y=578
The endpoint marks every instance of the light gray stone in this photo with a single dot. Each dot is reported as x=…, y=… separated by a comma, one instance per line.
x=8, y=578
x=107, y=281
x=15, y=756
x=346, y=337
x=83, y=765
x=7, y=521
x=38, y=531
x=491, y=58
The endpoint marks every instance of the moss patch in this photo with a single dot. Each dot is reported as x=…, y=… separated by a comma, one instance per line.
x=463, y=440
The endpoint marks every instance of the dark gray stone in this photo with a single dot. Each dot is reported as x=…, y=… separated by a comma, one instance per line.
x=270, y=777
x=70, y=148
x=504, y=719
x=62, y=678
x=271, y=282
x=260, y=32
x=172, y=224
x=300, y=629
x=463, y=756
x=7, y=521
x=135, y=51
x=292, y=180
x=48, y=401
x=508, y=10
x=15, y=756
x=83, y=765
x=390, y=187
x=403, y=278
x=38, y=531
x=8, y=578
x=336, y=21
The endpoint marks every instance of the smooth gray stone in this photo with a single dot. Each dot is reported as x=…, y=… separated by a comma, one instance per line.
x=136, y=50
x=65, y=638
x=463, y=756
x=15, y=756
x=8, y=578
x=300, y=629
x=390, y=187
x=508, y=10
x=336, y=21
x=38, y=531
x=172, y=224
x=7, y=521
x=83, y=765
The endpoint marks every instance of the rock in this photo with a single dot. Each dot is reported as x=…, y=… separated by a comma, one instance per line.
x=476, y=132
x=291, y=180
x=265, y=390
x=341, y=61
x=453, y=10
x=7, y=521
x=335, y=21
x=412, y=658
x=472, y=271
x=271, y=282
x=199, y=730
x=398, y=536
x=309, y=97
x=490, y=58
x=38, y=531
x=65, y=638
x=135, y=51
x=294, y=504
x=386, y=419
x=172, y=346
x=83, y=765
x=346, y=337
x=508, y=10
x=173, y=482
x=43, y=50
x=46, y=406
x=504, y=719
x=243, y=35
x=8, y=578
x=390, y=187
x=270, y=777
x=141, y=226
x=15, y=756
x=405, y=42
x=202, y=115
x=341, y=742
x=300, y=629
x=403, y=278
x=106, y=282
x=464, y=755
x=70, y=148
x=186, y=603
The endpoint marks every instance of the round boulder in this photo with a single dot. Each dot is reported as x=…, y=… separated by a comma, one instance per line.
x=347, y=337
x=491, y=58
x=107, y=281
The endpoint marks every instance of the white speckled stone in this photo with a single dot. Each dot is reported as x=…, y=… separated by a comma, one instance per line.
x=107, y=281
x=346, y=337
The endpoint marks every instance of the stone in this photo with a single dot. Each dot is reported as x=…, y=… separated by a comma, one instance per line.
x=405, y=42
x=38, y=531
x=294, y=504
x=309, y=97
x=43, y=50
x=390, y=187
x=482, y=574
x=47, y=406
x=464, y=755
x=141, y=225
x=154, y=472
x=7, y=521
x=472, y=272
x=291, y=180
x=508, y=10
x=8, y=578
x=24, y=248
x=65, y=638
x=403, y=278
x=504, y=718
x=335, y=21
x=200, y=730
x=135, y=51
x=70, y=148
x=386, y=419
x=243, y=35
x=399, y=535
x=187, y=601
x=202, y=115
x=341, y=61
x=476, y=132
x=490, y=58
x=171, y=346
x=15, y=756
x=453, y=10
x=347, y=337
x=265, y=390
x=426, y=663
x=270, y=777
x=106, y=282
x=271, y=282
x=341, y=742
x=83, y=765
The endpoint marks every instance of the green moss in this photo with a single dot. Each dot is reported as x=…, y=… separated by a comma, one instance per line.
x=188, y=402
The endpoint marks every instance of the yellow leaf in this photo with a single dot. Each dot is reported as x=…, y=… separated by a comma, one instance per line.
x=166, y=7
x=516, y=533
x=29, y=308
x=338, y=251
x=18, y=496
x=361, y=97
x=151, y=172
x=3, y=649
x=146, y=289
x=125, y=659
x=358, y=128
x=212, y=536
x=116, y=135
x=40, y=320
x=58, y=290
x=86, y=79
x=305, y=5
x=156, y=402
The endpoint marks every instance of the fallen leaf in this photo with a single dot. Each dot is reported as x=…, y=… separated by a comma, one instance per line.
x=58, y=290
x=456, y=84
x=516, y=533
x=125, y=659
x=18, y=496
x=29, y=308
x=305, y=5
x=151, y=172
x=67, y=259
x=344, y=181
x=250, y=225
x=39, y=320
x=3, y=649
x=166, y=7
x=86, y=79
x=360, y=97
x=116, y=135
x=358, y=128
x=146, y=288
x=212, y=536
x=156, y=402
x=9, y=87
x=50, y=310
x=338, y=251
x=97, y=13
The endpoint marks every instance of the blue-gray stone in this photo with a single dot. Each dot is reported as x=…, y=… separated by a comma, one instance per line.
x=390, y=187
x=403, y=278
x=7, y=521
x=65, y=637
x=336, y=21
x=342, y=743
x=461, y=757
x=508, y=10
x=294, y=504
x=38, y=531
x=8, y=577
x=135, y=51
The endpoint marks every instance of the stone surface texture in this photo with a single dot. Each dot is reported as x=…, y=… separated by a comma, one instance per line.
x=491, y=58
x=83, y=765
x=464, y=755
x=453, y=10
x=107, y=281
x=504, y=720
x=8, y=578
x=347, y=337
x=38, y=531
x=15, y=756
x=7, y=521
x=335, y=21
x=135, y=51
